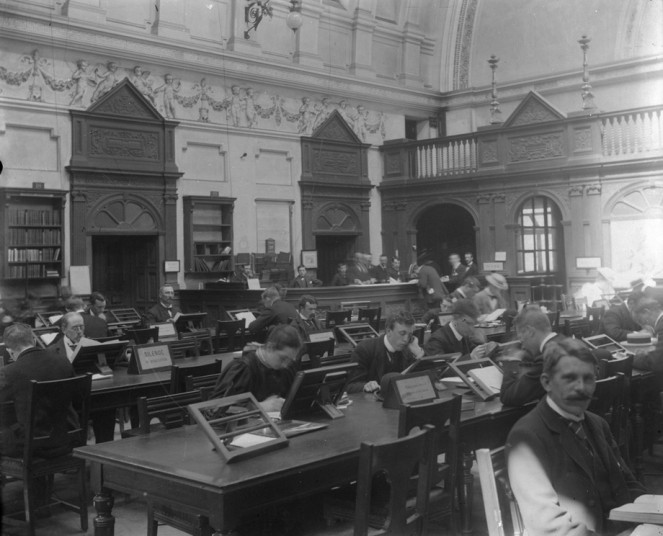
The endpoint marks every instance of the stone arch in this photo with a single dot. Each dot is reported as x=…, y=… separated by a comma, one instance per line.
x=518, y=202
x=418, y=210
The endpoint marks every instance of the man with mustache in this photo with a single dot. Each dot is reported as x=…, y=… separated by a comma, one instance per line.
x=564, y=466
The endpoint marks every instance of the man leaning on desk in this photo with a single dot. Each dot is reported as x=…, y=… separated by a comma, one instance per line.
x=564, y=466
x=393, y=351
x=265, y=371
x=164, y=310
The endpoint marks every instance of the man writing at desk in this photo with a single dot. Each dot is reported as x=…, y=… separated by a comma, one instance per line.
x=164, y=311
x=391, y=352
x=564, y=466
x=264, y=371
x=459, y=335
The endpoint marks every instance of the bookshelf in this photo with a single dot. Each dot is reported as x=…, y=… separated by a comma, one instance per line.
x=208, y=236
x=33, y=245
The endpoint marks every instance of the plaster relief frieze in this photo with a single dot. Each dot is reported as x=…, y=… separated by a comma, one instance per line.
x=535, y=147
x=593, y=189
x=463, y=44
x=85, y=80
x=325, y=161
x=488, y=152
x=582, y=139
x=533, y=112
x=124, y=143
x=576, y=191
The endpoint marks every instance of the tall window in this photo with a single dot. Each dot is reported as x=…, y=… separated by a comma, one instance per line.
x=539, y=237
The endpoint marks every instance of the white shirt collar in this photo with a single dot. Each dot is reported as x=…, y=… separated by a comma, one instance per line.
x=460, y=291
x=545, y=340
x=658, y=320
x=562, y=413
x=455, y=332
x=388, y=345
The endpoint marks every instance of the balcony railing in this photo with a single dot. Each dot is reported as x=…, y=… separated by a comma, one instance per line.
x=632, y=132
x=623, y=135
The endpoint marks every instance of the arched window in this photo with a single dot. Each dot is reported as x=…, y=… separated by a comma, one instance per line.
x=539, y=246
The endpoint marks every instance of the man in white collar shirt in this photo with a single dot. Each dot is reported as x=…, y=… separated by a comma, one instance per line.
x=72, y=333
x=457, y=270
x=522, y=371
x=459, y=335
x=164, y=311
x=648, y=312
x=472, y=269
x=393, y=351
x=467, y=289
x=564, y=466
x=493, y=296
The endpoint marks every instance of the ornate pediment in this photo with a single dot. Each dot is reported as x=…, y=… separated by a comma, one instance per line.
x=126, y=101
x=335, y=128
x=533, y=109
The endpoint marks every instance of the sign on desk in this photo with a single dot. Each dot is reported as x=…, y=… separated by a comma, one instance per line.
x=149, y=358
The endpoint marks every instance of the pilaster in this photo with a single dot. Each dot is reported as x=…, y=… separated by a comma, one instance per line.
x=171, y=15
x=306, y=47
x=410, y=74
x=363, y=27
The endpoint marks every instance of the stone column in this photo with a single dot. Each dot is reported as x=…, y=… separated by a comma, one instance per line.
x=308, y=240
x=365, y=237
x=410, y=74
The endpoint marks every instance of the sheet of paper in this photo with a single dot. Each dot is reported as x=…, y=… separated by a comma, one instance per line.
x=249, y=440
x=47, y=338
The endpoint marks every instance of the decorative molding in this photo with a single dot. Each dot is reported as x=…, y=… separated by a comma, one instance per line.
x=582, y=139
x=463, y=44
x=488, y=152
x=536, y=147
x=593, y=189
x=533, y=109
x=124, y=143
x=576, y=191
x=499, y=198
x=483, y=199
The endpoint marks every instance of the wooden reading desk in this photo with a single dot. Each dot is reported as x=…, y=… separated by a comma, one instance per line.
x=179, y=467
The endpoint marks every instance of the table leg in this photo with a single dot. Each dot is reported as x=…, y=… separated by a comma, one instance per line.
x=639, y=433
x=104, y=523
x=466, y=493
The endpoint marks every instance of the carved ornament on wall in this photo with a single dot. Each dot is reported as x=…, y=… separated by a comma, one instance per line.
x=533, y=112
x=124, y=143
x=488, y=152
x=582, y=139
x=536, y=147
x=325, y=161
x=336, y=218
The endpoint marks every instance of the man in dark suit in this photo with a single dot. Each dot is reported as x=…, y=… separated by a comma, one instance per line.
x=459, y=335
x=429, y=282
x=359, y=272
x=472, y=268
x=394, y=271
x=305, y=322
x=618, y=321
x=457, y=270
x=276, y=311
x=304, y=280
x=649, y=312
x=564, y=466
x=467, y=289
x=391, y=352
x=340, y=278
x=164, y=310
x=522, y=371
x=30, y=363
x=381, y=272
x=96, y=324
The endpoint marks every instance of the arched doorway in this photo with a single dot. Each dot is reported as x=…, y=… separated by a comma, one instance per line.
x=445, y=229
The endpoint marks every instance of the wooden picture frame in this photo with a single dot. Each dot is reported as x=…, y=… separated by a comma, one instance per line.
x=238, y=427
x=147, y=358
x=310, y=259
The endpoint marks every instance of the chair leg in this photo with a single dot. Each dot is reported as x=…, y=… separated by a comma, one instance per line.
x=82, y=475
x=29, y=500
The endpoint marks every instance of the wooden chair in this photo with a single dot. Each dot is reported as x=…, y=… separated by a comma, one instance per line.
x=337, y=318
x=554, y=320
x=232, y=332
x=370, y=315
x=622, y=425
x=316, y=352
x=397, y=459
x=178, y=374
x=52, y=401
x=495, y=482
x=172, y=412
x=594, y=317
x=184, y=348
x=204, y=384
x=577, y=327
x=444, y=417
x=142, y=336
x=204, y=338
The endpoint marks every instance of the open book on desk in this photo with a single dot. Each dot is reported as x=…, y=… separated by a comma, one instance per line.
x=645, y=509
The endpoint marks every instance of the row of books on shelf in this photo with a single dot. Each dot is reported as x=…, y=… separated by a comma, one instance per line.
x=47, y=237
x=36, y=270
x=212, y=249
x=33, y=254
x=201, y=265
x=19, y=216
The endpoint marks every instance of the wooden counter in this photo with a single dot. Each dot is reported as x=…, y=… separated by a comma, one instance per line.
x=215, y=302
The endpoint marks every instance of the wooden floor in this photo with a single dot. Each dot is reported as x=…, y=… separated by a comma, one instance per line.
x=301, y=519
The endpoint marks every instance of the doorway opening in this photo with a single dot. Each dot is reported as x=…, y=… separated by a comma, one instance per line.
x=125, y=270
x=445, y=229
x=333, y=249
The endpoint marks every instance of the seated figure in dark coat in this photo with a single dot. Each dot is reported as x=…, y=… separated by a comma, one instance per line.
x=265, y=371
x=164, y=310
x=618, y=322
x=276, y=311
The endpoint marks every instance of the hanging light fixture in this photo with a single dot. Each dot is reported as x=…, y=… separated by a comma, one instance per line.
x=294, y=19
x=254, y=11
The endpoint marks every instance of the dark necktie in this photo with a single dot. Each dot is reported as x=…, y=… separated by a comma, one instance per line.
x=579, y=431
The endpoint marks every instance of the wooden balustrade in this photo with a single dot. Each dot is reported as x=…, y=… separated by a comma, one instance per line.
x=632, y=132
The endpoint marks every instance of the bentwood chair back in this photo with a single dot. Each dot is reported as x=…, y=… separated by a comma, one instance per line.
x=230, y=335
x=495, y=483
x=184, y=348
x=337, y=318
x=398, y=460
x=622, y=425
x=178, y=374
x=48, y=450
x=143, y=335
